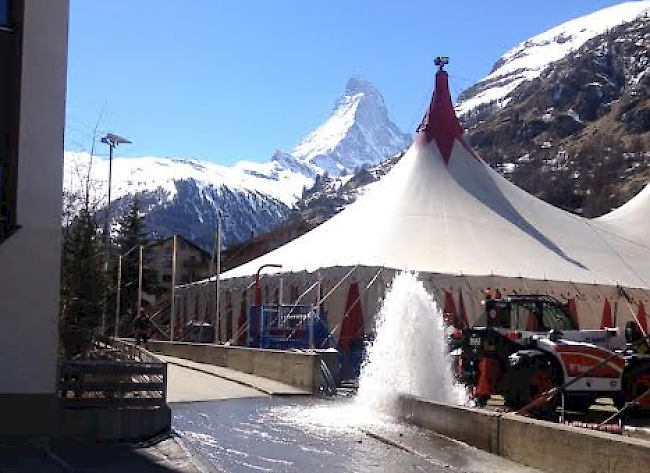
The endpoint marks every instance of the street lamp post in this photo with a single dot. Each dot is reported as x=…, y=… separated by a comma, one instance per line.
x=119, y=286
x=257, y=324
x=140, y=282
x=216, y=255
x=112, y=141
x=173, y=302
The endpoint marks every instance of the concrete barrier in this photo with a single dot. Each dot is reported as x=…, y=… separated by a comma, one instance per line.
x=547, y=446
x=298, y=369
x=473, y=426
x=563, y=449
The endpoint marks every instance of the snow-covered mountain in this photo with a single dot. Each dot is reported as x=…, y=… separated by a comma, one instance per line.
x=529, y=59
x=183, y=195
x=357, y=132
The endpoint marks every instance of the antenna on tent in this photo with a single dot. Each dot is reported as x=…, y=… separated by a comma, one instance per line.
x=441, y=61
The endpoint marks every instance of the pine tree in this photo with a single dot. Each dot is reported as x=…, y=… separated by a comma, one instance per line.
x=83, y=284
x=131, y=236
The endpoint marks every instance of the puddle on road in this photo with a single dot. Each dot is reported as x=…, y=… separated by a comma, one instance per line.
x=287, y=435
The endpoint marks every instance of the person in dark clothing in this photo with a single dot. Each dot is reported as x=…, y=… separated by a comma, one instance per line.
x=141, y=328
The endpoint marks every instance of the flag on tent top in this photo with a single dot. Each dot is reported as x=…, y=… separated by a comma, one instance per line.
x=440, y=123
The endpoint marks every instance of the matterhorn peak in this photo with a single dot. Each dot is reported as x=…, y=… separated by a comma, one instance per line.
x=357, y=132
x=358, y=85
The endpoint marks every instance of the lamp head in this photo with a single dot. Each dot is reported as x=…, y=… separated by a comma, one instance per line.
x=441, y=61
x=112, y=139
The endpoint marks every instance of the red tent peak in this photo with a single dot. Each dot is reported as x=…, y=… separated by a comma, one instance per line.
x=440, y=122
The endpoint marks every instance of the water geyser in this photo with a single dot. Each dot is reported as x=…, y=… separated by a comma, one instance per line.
x=409, y=352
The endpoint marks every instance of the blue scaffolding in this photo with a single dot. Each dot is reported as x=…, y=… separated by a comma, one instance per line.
x=285, y=327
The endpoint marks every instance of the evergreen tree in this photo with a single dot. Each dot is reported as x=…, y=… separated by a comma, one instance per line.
x=131, y=236
x=83, y=284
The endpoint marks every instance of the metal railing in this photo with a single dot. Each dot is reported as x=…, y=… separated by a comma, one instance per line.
x=132, y=351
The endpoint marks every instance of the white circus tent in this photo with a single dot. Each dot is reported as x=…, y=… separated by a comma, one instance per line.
x=631, y=220
x=444, y=213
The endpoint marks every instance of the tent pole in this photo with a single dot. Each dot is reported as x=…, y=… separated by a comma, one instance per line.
x=217, y=280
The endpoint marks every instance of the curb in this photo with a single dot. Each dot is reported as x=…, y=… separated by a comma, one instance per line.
x=227, y=378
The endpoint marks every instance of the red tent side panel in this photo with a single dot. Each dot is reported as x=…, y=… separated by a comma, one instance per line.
x=462, y=313
x=606, y=321
x=531, y=323
x=352, y=326
x=229, y=318
x=642, y=317
x=242, y=334
x=449, y=311
x=573, y=312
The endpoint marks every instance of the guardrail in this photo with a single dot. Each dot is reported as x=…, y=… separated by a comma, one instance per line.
x=131, y=351
x=112, y=384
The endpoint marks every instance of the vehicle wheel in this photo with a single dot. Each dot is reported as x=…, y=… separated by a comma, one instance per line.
x=526, y=384
x=577, y=402
x=619, y=400
x=637, y=384
x=481, y=401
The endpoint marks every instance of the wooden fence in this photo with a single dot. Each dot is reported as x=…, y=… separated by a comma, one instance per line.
x=112, y=384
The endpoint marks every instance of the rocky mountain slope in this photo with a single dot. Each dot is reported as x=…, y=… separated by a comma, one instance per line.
x=578, y=134
x=528, y=60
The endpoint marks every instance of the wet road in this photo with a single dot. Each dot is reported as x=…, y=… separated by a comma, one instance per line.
x=290, y=435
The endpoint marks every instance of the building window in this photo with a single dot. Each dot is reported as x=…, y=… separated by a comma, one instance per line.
x=4, y=12
x=167, y=277
x=10, y=15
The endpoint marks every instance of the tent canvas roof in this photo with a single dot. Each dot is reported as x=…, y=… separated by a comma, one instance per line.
x=442, y=209
x=631, y=220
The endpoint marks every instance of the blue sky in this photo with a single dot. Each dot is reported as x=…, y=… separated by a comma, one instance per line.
x=225, y=80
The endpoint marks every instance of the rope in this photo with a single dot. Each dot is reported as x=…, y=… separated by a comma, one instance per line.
x=372, y=281
x=337, y=285
x=629, y=306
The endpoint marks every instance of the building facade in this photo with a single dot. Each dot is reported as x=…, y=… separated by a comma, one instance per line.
x=192, y=263
x=33, y=50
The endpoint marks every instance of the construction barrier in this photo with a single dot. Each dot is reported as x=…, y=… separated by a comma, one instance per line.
x=547, y=446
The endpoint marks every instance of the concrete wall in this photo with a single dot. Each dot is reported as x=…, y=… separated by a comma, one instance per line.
x=295, y=368
x=539, y=444
x=30, y=259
